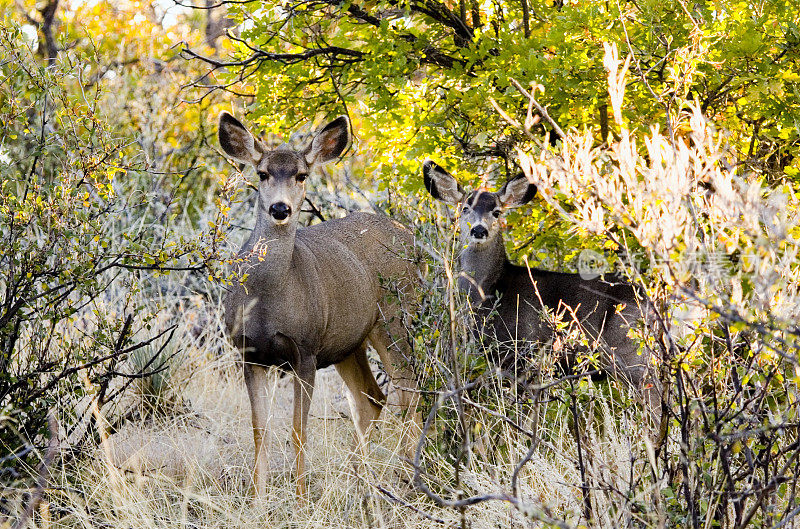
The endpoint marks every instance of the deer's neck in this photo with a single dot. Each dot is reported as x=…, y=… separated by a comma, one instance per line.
x=269, y=248
x=484, y=264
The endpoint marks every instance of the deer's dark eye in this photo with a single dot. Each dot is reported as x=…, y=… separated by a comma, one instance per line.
x=262, y=175
x=496, y=213
x=465, y=209
x=301, y=177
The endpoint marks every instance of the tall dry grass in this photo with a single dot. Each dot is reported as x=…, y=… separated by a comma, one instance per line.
x=190, y=466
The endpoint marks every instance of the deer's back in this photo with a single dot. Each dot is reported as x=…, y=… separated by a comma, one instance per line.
x=605, y=307
x=386, y=249
x=385, y=246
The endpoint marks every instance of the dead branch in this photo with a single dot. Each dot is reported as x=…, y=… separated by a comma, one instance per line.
x=44, y=468
x=559, y=132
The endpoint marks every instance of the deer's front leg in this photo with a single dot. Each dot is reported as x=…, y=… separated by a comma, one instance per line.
x=305, y=371
x=255, y=377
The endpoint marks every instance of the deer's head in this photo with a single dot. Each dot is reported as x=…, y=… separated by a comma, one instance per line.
x=480, y=209
x=282, y=171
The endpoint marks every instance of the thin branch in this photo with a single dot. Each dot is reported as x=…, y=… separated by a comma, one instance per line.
x=559, y=132
x=44, y=468
x=214, y=6
x=315, y=211
x=333, y=52
x=399, y=501
x=526, y=19
x=48, y=17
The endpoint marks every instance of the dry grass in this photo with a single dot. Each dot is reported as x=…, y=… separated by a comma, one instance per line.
x=190, y=464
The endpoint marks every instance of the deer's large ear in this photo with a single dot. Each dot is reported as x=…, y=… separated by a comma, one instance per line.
x=330, y=142
x=441, y=184
x=236, y=141
x=516, y=192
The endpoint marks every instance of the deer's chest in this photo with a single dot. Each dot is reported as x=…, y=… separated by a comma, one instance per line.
x=322, y=310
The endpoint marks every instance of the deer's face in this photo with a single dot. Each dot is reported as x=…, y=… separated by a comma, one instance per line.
x=480, y=217
x=282, y=188
x=480, y=209
x=282, y=172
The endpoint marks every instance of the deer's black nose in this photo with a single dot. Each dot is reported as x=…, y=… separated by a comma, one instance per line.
x=280, y=211
x=479, y=232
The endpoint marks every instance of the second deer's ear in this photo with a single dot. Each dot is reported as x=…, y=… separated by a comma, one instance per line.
x=330, y=142
x=441, y=184
x=236, y=141
x=517, y=192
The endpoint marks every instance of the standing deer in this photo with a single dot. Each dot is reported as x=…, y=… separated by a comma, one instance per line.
x=311, y=297
x=508, y=300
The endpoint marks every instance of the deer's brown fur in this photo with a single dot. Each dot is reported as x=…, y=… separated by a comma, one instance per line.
x=310, y=297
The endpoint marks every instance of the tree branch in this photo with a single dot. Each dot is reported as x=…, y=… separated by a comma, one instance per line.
x=333, y=52
x=48, y=17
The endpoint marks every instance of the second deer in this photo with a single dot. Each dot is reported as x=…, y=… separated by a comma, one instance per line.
x=509, y=300
x=311, y=297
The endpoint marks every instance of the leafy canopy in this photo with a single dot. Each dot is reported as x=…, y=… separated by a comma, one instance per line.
x=421, y=73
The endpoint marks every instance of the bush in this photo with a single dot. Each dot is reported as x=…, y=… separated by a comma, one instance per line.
x=86, y=226
x=715, y=249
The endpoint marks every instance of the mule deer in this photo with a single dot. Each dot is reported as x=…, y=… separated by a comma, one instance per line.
x=311, y=297
x=604, y=308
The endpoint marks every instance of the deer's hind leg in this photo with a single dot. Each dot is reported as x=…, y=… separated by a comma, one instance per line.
x=366, y=397
x=398, y=367
x=635, y=364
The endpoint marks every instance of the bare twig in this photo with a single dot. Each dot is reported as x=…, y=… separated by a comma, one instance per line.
x=394, y=499
x=587, y=502
x=524, y=508
x=559, y=132
x=44, y=470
